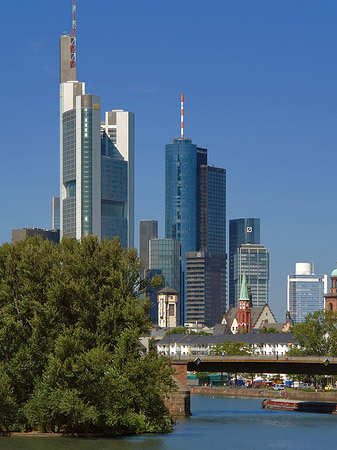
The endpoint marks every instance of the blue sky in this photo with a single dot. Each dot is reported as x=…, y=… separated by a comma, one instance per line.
x=259, y=79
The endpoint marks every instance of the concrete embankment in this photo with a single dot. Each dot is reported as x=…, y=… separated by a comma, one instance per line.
x=293, y=394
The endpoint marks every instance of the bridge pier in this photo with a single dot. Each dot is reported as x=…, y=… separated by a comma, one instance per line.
x=179, y=402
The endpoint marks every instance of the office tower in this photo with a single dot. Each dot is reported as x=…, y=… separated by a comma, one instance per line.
x=117, y=132
x=212, y=229
x=253, y=259
x=164, y=254
x=305, y=291
x=96, y=159
x=241, y=231
x=148, y=229
x=55, y=213
x=23, y=233
x=205, y=287
x=195, y=202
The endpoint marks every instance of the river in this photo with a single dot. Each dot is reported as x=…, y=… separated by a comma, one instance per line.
x=217, y=423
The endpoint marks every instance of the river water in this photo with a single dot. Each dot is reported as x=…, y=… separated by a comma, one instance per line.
x=217, y=423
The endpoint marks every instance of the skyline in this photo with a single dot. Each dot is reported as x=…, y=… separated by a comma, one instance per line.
x=259, y=83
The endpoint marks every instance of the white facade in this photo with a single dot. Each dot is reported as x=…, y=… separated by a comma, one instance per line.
x=194, y=348
x=167, y=310
x=119, y=125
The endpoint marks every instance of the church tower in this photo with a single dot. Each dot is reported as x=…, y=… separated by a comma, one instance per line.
x=331, y=299
x=244, y=312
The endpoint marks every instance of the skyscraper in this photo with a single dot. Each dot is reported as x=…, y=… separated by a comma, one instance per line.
x=195, y=201
x=96, y=159
x=305, y=291
x=205, y=287
x=212, y=230
x=241, y=231
x=253, y=260
x=148, y=229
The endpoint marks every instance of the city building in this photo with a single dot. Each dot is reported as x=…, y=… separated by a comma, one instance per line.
x=55, y=213
x=148, y=229
x=151, y=292
x=253, y=260
x=205, y=287
x=195, y=203
x=96, y=159
x=117, y=141
x=212, y=229
x=305, y=291
x=45, y=234
x=164, y=255
x=167, y=307
x=331, y=298
x=272, y=344
x=241, y=231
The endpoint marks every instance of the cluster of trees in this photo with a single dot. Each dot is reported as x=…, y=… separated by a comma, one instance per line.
x=70, y=320
x=317, y=335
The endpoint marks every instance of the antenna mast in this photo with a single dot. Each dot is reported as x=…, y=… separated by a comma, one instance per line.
x=182, y=116
x=73, y=39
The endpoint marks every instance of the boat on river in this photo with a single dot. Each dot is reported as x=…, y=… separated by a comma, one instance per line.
x=300, y=406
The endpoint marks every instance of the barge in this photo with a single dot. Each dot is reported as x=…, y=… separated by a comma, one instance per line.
x=300, y=406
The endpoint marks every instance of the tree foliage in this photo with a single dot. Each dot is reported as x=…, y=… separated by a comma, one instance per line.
x=231, y=348
x=317, y=335
x=70, y=320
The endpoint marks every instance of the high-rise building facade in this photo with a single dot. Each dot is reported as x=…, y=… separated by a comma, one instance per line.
x=305, y=291
x=96, y=161
x=253, y=260
x=55, y=213
x=148, y=229
x=212, y=230
x=164, y=254
x=205, y=287
x=117, y=141
x=241, y=231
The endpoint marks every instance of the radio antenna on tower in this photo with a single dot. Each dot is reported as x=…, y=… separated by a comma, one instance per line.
x=182, y=117
x=73, y=39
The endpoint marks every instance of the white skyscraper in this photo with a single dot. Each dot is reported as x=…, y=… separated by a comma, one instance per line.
x=96, y=160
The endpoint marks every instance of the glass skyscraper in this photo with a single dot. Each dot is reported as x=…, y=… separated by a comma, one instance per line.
x=148, y=229
x=305, y=291
x=212, y=230
x=253, y=260
x=241, y=231
x=181, y=194
x=96, y=162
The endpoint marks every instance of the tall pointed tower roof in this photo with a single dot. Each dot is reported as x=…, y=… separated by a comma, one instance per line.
x=244, y=289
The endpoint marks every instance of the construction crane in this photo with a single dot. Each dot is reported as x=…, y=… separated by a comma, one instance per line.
x=73, y=39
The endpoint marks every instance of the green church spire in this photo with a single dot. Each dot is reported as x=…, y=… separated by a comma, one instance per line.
x=244, y=289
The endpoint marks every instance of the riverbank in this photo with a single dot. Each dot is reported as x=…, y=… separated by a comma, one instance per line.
x=293, y=394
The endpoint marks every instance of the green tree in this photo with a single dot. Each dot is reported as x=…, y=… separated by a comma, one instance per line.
x=317, y=335
x=231, y=348
x=70, y=320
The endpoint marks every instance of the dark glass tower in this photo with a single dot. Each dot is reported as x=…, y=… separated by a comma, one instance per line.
x=212, y=230
x=148, y=229
x=241, y=231
x=182, y=168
